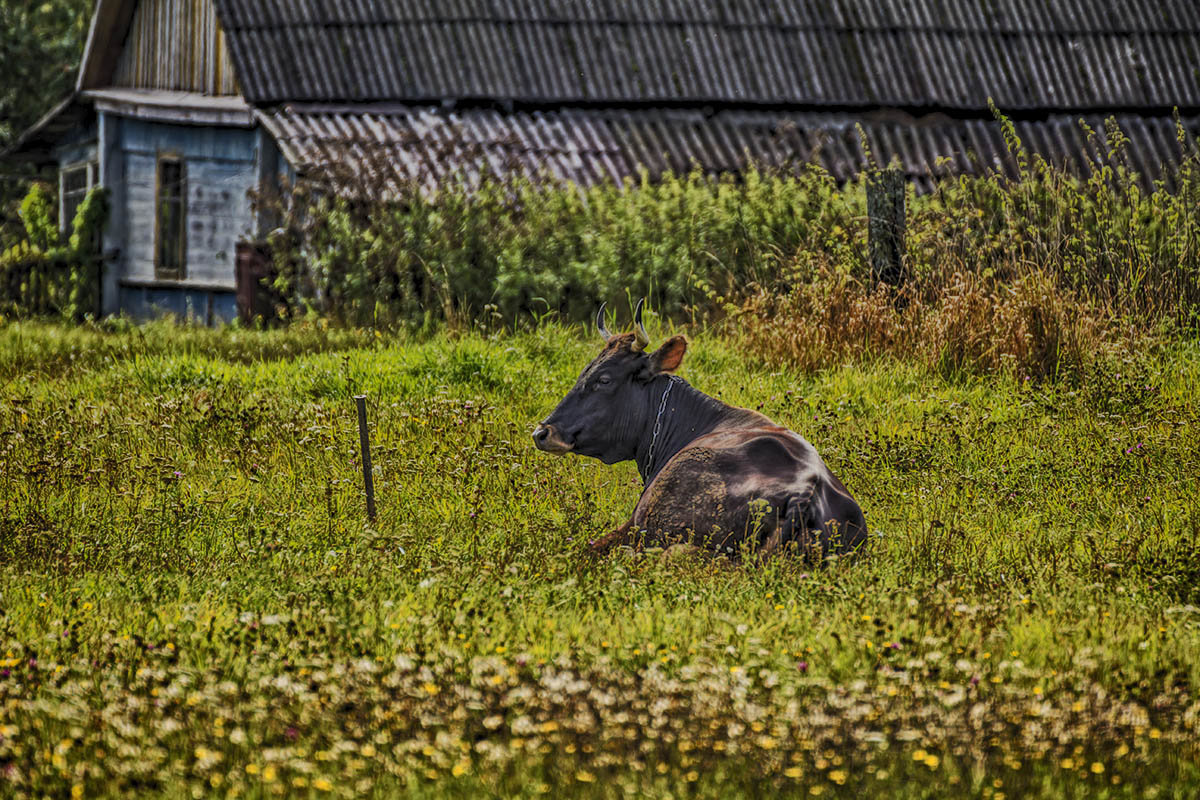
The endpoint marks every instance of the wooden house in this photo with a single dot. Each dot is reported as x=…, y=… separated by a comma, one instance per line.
x=182, y=107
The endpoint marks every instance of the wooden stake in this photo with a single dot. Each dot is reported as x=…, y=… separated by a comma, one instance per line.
x=364, y=441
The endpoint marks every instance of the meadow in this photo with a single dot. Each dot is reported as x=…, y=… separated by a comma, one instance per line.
x=192, y=602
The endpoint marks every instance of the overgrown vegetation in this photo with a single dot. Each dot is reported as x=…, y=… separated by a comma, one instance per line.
x=47, y=273
x=1038, y=272
x=194, y=605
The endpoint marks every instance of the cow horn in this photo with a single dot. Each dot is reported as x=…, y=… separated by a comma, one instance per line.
x=643, y=338
x=600, y=323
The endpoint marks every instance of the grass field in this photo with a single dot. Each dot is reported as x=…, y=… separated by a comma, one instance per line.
x=191, y=603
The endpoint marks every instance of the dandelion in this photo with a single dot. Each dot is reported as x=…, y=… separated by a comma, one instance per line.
x=583, y=776
x=838, y=776
x=1097, y=768
x=794, y=772
x=322, y=785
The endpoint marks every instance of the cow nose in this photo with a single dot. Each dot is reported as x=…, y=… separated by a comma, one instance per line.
x=550, y=439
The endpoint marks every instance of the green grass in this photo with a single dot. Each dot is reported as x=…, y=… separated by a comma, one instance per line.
x=191, y=601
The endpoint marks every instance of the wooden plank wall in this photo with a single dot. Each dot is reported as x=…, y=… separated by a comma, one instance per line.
x=221, y=168
x=178, y=45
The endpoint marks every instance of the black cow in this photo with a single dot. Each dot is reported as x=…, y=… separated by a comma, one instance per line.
x=720, y=477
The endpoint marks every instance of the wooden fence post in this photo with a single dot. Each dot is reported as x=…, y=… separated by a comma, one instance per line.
x=885, y=225
x=364, y=442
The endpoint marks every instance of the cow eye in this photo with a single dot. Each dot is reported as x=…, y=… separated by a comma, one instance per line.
x=604, y=380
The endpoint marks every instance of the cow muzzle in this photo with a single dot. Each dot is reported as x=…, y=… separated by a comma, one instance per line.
x=547, y=438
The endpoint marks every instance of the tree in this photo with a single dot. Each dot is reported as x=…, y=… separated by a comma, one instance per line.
x=40, y=47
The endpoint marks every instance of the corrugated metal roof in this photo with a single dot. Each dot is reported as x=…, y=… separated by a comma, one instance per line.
x=1027, y=55
x=585, y=146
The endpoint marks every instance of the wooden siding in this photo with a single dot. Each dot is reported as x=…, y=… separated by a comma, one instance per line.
x=222, y=166
x=176, y=44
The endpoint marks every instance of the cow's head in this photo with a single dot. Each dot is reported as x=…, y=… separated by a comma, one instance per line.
x=611, y=405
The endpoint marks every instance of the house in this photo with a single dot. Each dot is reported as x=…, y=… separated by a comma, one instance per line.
x=182, y=107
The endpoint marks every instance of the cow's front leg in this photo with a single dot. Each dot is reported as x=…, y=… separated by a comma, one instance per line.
x=617, y=538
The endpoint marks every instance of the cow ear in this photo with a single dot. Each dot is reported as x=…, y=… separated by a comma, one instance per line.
x=668, y=357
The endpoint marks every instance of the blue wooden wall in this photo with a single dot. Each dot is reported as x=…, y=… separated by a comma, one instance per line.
x=223, y=165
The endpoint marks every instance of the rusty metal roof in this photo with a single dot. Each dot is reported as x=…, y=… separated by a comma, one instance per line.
x=1027, y=55
x=425, y=145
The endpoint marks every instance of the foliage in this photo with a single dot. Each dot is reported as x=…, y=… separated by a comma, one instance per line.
x=39, y=218
x=194, y=604
x=42, y=274
x=1118, y=254
x=40, y=46
x=85, y=246
x=514, y=247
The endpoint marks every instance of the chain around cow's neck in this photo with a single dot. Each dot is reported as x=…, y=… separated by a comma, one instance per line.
x=662, y=406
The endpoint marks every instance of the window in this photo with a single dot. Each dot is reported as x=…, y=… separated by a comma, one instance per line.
x=171, y=219
x=74, y=182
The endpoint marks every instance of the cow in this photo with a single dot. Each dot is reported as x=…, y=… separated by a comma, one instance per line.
x=720, y=478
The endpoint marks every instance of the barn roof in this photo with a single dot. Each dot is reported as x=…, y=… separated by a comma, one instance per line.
x=590, y=89
x=1029, y=56
x=424, y=145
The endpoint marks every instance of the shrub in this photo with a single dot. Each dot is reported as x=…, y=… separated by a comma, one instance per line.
x=42, y=274
x=517, y=247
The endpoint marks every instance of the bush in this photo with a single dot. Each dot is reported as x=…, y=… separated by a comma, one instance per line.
x=42, y=274
x=516, y=247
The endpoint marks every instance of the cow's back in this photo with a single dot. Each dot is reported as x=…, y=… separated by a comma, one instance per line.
x=734, y=487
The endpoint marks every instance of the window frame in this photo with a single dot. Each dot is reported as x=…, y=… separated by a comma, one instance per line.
x=91, y=180
x=178, y=271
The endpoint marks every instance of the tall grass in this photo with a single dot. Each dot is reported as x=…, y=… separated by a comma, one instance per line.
x=1038, y=268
